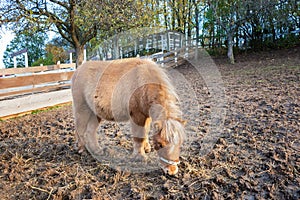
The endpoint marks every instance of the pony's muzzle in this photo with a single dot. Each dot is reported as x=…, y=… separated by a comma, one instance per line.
x=171, y=169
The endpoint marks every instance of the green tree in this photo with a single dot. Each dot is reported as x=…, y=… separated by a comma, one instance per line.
x=57, y=53
x=54, y=53
x=230, y=15
x=255, y=22
x=35, y=44
x=77, y=21
x=178, y=15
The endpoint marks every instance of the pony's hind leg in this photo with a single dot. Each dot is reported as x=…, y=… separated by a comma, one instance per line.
x=80, y=145
x=90, y=136
x=81, y=121
x=86, y=124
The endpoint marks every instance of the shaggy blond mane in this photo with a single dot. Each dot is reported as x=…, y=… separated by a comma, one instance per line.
x=173, y=131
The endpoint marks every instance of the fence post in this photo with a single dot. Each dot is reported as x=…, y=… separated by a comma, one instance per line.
x=121, y=52
x=162, y=43
x=70, y=57
x=135, y=46
x=58, y=64
x=15, y=62
x=186, y=54
x=84, y=54
x=168, y=41
x=26, y=59
x=175, y=55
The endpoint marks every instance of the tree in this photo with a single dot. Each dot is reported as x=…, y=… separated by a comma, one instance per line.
x=77, y=21
x=178, y=15
x=230, y=15
x=56, y=52
x=256, y=20
x=35, y=44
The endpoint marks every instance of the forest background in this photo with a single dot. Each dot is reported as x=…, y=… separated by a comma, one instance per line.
x=223, y=27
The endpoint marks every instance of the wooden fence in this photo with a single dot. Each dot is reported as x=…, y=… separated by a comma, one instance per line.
x=19, y=81
x=124, y=46
x=26, y=89
x=23, y=90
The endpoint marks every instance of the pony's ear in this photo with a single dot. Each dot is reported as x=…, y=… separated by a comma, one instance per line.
x=157, y=126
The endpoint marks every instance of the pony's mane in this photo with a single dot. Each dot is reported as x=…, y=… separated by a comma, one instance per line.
x=172, y=128
x=173, y=131
x=172, y=99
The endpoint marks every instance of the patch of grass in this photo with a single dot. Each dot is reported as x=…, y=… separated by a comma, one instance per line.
x=296, y=67
x=48, y=108
x=36, y=111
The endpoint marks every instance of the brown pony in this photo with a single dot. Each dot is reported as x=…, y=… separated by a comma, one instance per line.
x=134, y=90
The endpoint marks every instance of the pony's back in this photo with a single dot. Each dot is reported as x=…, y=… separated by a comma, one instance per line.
x=107, y=86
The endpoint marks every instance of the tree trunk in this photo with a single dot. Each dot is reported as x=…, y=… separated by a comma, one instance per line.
x=116, y=53
x=166, y=15
x=79, y=55
x=230, y=47
x=197, y=22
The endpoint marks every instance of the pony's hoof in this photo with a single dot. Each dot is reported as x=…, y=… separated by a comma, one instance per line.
x=79, y=149
x=147, y=148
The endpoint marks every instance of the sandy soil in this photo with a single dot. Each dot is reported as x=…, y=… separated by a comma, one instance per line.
x=256, y=154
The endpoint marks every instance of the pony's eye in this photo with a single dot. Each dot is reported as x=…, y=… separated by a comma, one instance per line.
x=158, y=146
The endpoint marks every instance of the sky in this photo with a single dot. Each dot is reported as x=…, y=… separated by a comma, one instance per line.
x=6, y=37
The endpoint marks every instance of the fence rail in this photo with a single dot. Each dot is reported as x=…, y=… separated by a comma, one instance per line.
x=34, y=79
x=25, y=89
x=10, y=71
x=18, y=81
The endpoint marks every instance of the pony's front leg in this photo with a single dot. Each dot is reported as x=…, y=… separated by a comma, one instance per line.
x=140, y=141
x=147, y=146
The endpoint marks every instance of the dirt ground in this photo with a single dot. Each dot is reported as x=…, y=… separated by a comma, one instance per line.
x=257, y=155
